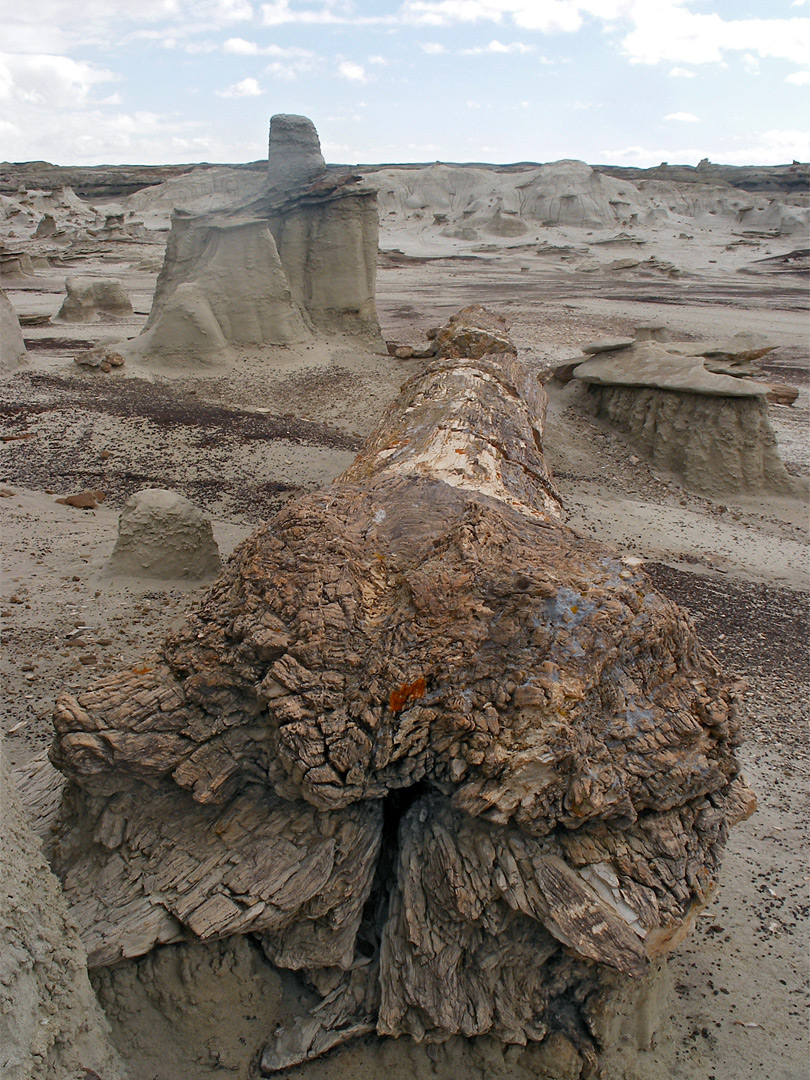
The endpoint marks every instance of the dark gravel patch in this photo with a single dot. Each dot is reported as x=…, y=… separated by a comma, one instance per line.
x=168, y=408
x=761, y=634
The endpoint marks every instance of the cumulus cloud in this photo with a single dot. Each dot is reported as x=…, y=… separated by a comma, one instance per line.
x=56, y=81
x=667, y=30
x=432, y=48
x=686, y=117
x=240, y=47
x=681, y=73
x=246, y=88
x=496, y=46
x=799, y=78
x=352, y=72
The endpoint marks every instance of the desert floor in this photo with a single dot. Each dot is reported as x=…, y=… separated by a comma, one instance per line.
x=242, y=441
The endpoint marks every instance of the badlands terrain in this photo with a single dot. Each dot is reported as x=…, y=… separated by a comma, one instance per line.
x=567, y=255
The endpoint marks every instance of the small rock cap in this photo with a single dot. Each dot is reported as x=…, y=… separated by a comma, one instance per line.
x=294, y=157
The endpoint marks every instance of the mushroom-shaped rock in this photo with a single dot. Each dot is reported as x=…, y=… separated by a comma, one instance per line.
x=161, y=534
x=464, y=768
x=687, y=407
x=88, y=297
x=13, y=353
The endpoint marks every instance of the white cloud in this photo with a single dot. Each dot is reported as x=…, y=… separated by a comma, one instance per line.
x=432, y=48
x=352, y=72
x=681, y=73
x=751, y=64
x=496, y=46
x=799, y=78
x=240, y=47
x=246, y=88
x=686, y=117
x=667, y=30
x=52, y=81
x=291, y=69
x=379, y=61
x=279, y=12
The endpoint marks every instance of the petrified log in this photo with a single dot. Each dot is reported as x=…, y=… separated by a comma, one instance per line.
x=464, y=769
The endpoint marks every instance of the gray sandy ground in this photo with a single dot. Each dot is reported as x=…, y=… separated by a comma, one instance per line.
x=240, y=443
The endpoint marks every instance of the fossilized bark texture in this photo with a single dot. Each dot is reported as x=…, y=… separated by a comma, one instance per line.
x=418, y=732
x=716, y=444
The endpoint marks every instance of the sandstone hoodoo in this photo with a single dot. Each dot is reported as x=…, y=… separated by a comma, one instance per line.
x=463, y=770
x=297, y=260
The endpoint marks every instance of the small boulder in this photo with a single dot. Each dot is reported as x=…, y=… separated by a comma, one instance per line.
x=161, y=534
x=83, y=500
x=100, y=358
x=652, y=332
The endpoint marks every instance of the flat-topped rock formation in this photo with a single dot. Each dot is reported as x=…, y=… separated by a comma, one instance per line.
x=462, y=769
x=691, y=408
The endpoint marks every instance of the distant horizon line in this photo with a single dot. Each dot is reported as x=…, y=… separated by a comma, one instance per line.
x=262, y=162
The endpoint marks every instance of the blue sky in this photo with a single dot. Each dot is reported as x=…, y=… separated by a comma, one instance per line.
x=630, y=82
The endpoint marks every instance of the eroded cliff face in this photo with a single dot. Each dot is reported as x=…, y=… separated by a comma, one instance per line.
x=299, y=260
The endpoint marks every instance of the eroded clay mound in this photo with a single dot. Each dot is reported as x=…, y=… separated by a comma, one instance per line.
x=222, y=285
x=50, y=1023
x=718, y=445
x=162, y=534
x=89, y=297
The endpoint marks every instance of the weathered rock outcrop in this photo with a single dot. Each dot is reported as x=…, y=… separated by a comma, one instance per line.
x=297, y=260
x=89, y=297
x=691, y=408
x=465, y=770
x=50, y=1023
x=13, y=353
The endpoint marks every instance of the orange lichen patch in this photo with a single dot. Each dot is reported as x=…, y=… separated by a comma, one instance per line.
x=407, y=692
x=141, y=670
x=458, y=451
